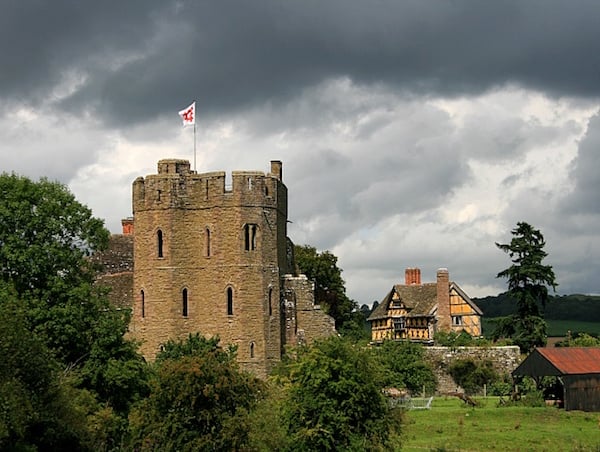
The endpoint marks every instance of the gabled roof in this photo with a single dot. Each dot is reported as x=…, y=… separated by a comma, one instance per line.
x=560, y=361
x=418, y=299
x=465, y=297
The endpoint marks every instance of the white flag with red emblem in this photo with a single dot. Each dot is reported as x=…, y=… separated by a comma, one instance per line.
x=188, y=115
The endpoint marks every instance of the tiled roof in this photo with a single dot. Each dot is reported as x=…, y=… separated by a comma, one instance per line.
x=573, y=360
x=418, y=299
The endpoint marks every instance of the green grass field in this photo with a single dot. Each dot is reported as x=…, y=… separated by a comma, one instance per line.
x=560, y=327
x=555, y=327
x=452, y=426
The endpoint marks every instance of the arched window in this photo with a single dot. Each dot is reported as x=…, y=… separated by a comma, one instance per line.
x=207, y=242
x=159, y=243
x=143, y=303
x=270, y=301
x=229, y=301
x=184, y=302
x=251, y=349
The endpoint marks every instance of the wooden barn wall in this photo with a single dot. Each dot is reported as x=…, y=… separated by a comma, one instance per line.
x=582, y=392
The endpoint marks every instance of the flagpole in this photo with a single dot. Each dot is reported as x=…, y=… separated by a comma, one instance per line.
x=194, y=145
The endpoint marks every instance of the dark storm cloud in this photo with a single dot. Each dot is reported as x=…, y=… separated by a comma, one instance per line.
x=584, y=199
x=139, y=59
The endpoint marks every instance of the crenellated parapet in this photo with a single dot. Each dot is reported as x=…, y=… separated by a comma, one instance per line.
x=176, y=186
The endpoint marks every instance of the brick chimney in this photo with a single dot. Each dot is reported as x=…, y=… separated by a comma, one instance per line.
x=412, y=276
x=444, y=322
x=127, y=224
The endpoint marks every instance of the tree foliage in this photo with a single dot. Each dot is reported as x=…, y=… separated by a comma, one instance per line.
x=36, y=412
x=528, y=281
x=199, y=400
x=472, y=375
x=335, y=399
x=330, y=291
x=405, y=366
x=46, y=237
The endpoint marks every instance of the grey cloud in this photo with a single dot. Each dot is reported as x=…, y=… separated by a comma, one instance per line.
x=143, y=58
x=584, y=199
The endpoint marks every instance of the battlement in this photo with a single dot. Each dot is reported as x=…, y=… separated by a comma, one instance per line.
x=177, y=186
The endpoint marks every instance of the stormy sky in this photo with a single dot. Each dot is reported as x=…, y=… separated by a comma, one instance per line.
x=412, y=133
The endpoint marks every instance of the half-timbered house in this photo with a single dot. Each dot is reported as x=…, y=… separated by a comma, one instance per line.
x=415, y=311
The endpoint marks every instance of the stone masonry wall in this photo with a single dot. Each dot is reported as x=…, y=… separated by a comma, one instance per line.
x=211, y=259
x=505, y=359
x=117, y=269
x=305, y=321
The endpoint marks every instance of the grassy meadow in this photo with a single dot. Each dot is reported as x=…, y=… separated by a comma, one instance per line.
x=556, y=328
x=452, y=426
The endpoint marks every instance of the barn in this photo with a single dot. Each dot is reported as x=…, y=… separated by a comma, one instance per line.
x=577, y=369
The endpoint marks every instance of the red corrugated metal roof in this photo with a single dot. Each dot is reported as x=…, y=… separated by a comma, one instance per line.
x=573, y=360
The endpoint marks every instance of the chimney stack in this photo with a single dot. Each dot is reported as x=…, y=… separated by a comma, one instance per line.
x=444, y=322
x=412, y=276
x=127, y=224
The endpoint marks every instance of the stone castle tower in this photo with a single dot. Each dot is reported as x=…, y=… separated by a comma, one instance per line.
x=216, y=260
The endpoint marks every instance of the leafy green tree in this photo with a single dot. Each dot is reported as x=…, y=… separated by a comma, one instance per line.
x=528, y=281
x=46, y=238
x=405, y=366
x=330, y=291
x=36, y=410
x=579, y=340
x=335, y=400
x=199, y=400
x=471, y=375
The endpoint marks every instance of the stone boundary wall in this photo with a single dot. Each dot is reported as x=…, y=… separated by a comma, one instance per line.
x=505, y=359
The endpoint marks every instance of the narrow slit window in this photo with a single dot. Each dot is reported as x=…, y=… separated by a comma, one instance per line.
x=252, y=349
x=270, y=301
x=143, y=303
x=184, y=303
x=229, y=301
x=207, y=242
x=159, y=243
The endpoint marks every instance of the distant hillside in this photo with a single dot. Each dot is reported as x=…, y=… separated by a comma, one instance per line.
x=584, y=308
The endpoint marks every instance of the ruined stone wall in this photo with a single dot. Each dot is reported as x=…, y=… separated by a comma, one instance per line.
x=505, y=360
x=117, y=270
x=305, y=321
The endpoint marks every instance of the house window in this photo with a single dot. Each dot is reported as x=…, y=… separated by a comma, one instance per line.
x=399, y=324
x=159, y=243
x=457, y=320
x=207, y=242
x=251, y=349
x=229, y=301
x=143, y=303
x=184, y=302
x=250, y=231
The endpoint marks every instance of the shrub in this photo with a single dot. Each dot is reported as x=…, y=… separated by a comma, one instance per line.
x=335, y=400
x=472, y=375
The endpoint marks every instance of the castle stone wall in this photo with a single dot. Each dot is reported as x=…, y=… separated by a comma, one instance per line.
x=505, y=360
x=210, y=259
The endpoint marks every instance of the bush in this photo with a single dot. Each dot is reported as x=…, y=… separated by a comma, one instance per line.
x=335, y=400
x=405, y=367
x=199, y=400
x=471, y=376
